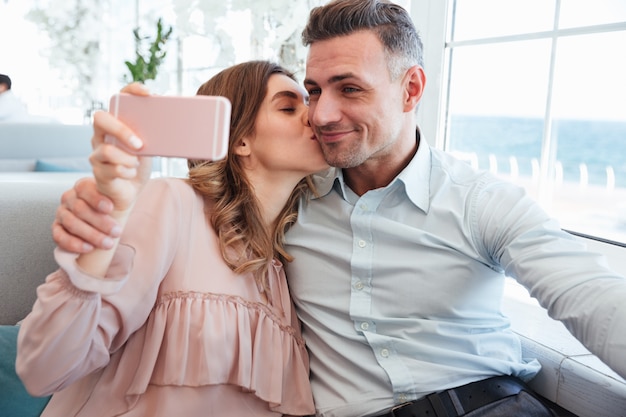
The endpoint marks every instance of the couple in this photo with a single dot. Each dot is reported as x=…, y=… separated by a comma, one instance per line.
x=395, y=263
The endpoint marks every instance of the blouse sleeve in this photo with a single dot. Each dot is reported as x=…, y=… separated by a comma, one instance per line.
x=78, y=320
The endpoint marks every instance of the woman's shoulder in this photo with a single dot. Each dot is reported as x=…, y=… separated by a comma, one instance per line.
x=174, y=184
x=169, y=194
x=175, y=187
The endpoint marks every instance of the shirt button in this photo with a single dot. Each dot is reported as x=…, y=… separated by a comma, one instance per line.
x=365, y=325
x=362, y=243
x=359, y=286
x=384, y=353
x=363, y=207
x=402, y=398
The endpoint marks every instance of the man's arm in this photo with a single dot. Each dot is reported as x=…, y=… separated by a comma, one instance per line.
x=83, y=220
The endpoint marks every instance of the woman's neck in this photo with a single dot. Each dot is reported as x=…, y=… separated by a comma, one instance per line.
x=272, y=194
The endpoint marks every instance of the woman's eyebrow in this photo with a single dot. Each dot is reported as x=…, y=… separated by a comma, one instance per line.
x=288, y=94
x=285, y=93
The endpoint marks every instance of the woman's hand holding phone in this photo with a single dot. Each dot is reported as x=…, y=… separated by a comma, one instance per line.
x=119, y=175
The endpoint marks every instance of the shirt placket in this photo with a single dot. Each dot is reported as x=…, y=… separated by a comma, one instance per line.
x=362, y=265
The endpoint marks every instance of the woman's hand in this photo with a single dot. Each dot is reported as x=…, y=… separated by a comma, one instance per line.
x=119, y=175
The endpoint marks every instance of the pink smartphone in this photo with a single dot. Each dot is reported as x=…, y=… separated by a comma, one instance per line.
x=194, y=127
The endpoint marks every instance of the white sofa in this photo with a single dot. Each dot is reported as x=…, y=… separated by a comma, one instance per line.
x=44, y=147
x=27, y=203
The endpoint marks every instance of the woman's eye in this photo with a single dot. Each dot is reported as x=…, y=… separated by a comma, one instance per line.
x=288, y=109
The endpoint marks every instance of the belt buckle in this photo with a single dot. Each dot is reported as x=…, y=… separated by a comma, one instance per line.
x=392, y=412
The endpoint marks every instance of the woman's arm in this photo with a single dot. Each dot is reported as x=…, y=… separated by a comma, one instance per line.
x=118, y=175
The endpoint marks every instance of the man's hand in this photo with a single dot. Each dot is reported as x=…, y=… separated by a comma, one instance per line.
x=82, y=221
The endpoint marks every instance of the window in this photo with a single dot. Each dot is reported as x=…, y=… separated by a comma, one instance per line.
x=536, y=93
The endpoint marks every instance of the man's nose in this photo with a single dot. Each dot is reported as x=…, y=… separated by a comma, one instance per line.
x=324, y=111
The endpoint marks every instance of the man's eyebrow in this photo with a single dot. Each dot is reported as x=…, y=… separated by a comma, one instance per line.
x=333, y=79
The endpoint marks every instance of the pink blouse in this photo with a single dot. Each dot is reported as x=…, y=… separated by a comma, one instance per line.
x=171, y=330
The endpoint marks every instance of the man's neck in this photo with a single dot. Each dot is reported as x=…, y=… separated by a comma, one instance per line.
x=379, y=172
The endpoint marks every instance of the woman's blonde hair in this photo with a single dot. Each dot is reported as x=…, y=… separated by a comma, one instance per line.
x=245, y=242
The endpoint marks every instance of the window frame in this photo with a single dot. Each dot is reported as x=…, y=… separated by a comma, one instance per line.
x=431, y=18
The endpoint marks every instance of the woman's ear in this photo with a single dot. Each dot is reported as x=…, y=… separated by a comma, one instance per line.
x=242, y=148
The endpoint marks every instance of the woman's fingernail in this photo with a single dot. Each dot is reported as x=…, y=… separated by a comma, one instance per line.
x=135, y=142
x=107, y=243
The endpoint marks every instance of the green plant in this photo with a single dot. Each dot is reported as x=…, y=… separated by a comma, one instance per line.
x=148, y=60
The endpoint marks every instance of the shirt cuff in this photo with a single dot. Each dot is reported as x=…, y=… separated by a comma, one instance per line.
x=116, y=276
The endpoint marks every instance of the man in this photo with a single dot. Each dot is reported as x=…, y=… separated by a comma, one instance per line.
x=400, y=263
x=11, y=108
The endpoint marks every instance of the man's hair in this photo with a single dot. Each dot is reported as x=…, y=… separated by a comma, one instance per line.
x=390, y=22
x=4, y=79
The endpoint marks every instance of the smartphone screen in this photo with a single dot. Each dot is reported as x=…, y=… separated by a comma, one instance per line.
x=195, y=127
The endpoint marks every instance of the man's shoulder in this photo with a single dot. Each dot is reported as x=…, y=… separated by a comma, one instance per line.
x=457, y=167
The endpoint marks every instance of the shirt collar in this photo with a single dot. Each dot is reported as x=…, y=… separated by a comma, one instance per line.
x=415, y=177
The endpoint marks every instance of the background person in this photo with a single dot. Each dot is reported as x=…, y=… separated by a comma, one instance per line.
x=192, y=316
x=11, y=107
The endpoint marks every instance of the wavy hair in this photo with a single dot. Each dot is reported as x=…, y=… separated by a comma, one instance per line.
x=233, y=210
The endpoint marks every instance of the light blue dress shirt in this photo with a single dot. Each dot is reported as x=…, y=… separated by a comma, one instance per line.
x=399, y=290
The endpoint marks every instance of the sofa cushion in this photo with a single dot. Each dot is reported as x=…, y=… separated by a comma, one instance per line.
x=28, y=202
x=15, y=401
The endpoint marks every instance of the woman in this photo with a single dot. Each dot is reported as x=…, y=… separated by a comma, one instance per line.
x=192, y=315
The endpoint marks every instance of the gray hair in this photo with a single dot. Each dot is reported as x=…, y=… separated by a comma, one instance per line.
x=391, y=23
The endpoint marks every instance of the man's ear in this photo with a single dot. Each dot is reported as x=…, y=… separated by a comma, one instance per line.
x=413, y=84
x=242, y=148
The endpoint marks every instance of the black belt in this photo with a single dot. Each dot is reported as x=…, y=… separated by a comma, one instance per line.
x=461, y=400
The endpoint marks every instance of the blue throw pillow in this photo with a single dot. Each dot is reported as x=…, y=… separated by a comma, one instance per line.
x=14, y=400
x=63, y=165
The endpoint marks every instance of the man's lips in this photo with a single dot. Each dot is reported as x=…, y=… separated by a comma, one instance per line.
x=329, y=137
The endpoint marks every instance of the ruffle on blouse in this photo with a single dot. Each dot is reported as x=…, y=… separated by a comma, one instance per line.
x=196, y=339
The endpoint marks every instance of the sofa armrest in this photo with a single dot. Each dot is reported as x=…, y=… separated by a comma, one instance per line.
x=571, y=376
x=28, y=204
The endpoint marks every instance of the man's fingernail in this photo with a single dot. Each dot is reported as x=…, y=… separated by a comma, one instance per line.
x=135, y=142
x=104, y=206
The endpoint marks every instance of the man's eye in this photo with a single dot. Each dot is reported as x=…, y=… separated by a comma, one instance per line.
x=350, y=89
x=315, y=92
